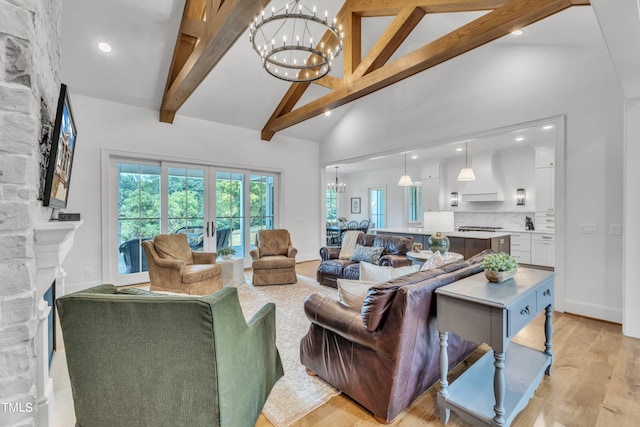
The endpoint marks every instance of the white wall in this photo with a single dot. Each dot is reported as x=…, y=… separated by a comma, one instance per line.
x=631, y=324
x=107, y=125
x=501, y=85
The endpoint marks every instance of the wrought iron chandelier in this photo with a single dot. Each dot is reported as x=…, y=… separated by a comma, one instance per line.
x=337, y=187
x=294, y=44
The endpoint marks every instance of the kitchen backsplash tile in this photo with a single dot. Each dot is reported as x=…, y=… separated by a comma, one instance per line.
x=506, y=220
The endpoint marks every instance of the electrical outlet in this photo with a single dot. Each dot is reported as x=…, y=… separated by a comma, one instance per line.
x=587, y=228
x=616, y=229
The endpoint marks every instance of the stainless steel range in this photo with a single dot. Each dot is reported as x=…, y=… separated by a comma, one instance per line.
x=478, y=228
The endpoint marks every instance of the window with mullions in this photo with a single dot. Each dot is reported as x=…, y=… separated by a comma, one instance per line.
x=414, y=202
x=332, y=206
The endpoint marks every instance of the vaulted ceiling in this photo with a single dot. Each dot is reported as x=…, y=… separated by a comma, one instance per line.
x=229, y=86
x=210, y=28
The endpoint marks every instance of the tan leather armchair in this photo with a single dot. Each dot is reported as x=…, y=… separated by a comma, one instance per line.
x=174, y=267
x=274, y=258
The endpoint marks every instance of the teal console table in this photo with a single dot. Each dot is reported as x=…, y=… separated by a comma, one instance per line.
x=499, y=385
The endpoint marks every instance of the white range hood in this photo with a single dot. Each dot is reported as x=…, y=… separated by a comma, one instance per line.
x=486, y=187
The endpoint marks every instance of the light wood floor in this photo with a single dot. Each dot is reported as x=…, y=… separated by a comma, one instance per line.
x=595, y=381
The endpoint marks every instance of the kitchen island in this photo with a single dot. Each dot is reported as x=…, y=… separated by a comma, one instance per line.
x=468, y=243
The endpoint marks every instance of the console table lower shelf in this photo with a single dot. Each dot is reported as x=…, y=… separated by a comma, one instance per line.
x=471, y=394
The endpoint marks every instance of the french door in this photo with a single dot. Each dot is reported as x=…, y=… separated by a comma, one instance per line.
x=213, y=207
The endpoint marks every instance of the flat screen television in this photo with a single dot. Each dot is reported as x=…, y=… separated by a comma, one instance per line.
x=56, y=187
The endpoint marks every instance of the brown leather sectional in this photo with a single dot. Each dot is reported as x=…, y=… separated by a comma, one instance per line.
x=387, y=354
x=332, y=268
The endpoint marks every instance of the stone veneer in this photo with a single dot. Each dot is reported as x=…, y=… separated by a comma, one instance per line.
x=30, y=66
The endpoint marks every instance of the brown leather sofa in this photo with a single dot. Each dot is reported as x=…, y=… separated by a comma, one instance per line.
x=387, y=354
x=332, y=268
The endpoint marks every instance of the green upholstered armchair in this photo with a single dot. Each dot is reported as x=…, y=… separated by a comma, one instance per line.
x=141, y=359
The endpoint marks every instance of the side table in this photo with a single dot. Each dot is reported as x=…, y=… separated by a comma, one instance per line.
x=499, y=385
x=232, y=271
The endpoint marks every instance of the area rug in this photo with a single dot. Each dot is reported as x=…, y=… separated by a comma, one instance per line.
x=297, y=393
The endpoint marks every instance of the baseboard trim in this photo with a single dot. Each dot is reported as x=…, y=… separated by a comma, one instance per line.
x=594, y=311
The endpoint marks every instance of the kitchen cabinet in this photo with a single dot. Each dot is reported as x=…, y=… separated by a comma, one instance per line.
x=545, y=221
x=471, y=247
x=545, y=157
x=431, y=194
x=545, y=189
x=543, y=249
x=521, y=247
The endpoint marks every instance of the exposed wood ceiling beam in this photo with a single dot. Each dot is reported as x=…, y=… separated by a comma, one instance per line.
x=208, y=30
x=508, y=15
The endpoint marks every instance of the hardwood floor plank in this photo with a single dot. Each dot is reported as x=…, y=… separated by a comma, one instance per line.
x=595, y=381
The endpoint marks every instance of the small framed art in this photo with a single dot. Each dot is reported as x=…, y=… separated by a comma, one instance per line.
x=355, y=205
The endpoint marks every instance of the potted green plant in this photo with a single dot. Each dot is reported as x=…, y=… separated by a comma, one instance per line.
x=226, y=252
x=499, y=267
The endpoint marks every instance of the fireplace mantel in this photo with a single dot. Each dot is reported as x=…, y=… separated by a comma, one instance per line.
x=53, y=241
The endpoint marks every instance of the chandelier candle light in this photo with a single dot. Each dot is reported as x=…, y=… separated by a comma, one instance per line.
x=291, y=42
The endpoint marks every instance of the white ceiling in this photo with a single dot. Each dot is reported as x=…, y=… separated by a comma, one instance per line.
x=238, y=91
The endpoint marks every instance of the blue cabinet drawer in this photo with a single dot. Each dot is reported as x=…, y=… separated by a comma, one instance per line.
x=545, y=297
x=521, y=314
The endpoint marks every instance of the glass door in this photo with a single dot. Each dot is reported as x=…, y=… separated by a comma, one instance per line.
x=230, y=212
x=138, y=218
x=213, y=207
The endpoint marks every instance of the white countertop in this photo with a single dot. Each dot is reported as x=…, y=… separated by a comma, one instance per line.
x=529, y=231
x=465, y=234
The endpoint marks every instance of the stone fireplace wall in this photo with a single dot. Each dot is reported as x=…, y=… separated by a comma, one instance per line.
x=30, y=67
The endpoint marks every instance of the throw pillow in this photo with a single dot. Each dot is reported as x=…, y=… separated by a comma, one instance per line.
x=436, y=260
x=369, y=254
x=352, y=292
x=377, y=273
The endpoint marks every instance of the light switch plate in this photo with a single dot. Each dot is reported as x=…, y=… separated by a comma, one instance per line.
x=587, y=228
x=616, y=229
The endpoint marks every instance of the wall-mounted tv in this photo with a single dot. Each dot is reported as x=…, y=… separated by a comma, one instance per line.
x=56, y=187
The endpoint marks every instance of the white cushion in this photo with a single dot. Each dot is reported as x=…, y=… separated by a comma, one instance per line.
x=376, y=273
x=352, y=292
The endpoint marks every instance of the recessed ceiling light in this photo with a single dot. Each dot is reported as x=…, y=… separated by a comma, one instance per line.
x=517, y=32
x=519, y=139
x=327, y=113
x=105, y=47
x=547, y=127
x=459, y=149
x=415, y=156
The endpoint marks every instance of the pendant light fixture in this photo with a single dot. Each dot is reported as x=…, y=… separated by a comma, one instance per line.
x=337, y=187
x=405, y=180
x=466, y=173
